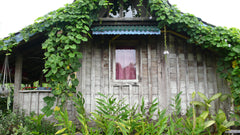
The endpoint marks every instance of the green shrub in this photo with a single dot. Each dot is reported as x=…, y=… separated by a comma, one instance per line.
x=20, y=124
x=39, y=126
x=10, y=121
x=114, y=117
x=3, y=104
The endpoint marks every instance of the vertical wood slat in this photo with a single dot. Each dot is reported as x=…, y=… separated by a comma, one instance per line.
x=79, y=74
x=38, y=104
x=140, y=62
x=149, y=72
x=205, y=75
x=102, y=70
x=141, y=69
x=164, y=90
x=30, y=103
x=167, y=72
x=92, y=78
x=187, y=74
x=159, y=84
x=140, y=90
x=21, y=102
x=215, y=88
x=17, y=79
x=105, y=68
x=177, y=67
x=196, y=83
x=97, y=70
x=84, y=70
x=130, y=95
x=109, y=67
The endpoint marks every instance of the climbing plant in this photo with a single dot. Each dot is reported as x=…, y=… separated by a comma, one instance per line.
x=226, y=42
x=67, y=29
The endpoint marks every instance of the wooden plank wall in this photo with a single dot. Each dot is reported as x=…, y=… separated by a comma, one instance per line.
x=186, y=68
x=32, y=101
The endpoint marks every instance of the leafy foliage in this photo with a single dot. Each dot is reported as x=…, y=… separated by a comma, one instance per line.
x=220, y=39
x=221, y=122
x=207, y=102
x=68, y=127
x=20, y=124
x=82, y=117
x=113, y=116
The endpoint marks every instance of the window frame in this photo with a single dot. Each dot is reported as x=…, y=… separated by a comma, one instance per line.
x=125, y=43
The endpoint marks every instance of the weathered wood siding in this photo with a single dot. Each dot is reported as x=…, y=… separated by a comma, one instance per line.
x=186, y=68
x=32, y=101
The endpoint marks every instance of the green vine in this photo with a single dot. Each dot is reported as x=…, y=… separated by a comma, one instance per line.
x=68, y=28
x=220, y=39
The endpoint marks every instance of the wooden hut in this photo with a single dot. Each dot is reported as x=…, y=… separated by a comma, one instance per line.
x=128, y=57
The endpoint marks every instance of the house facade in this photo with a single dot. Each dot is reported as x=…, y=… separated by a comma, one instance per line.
x=129, y=57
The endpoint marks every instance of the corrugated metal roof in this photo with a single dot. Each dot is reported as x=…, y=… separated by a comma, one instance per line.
x=17, y=38
x=126, y=30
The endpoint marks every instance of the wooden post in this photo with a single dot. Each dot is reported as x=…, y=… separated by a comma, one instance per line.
x=41, y=79
x=17, y=79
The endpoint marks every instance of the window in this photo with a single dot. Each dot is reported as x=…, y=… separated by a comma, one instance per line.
x=131, y=9
x=125, y=63
x=128, y=13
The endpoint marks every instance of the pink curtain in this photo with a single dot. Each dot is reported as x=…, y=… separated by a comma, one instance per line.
x=125, y=64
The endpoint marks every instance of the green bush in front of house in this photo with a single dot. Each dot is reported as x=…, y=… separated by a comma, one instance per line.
x=17, y=123
x=114, y=117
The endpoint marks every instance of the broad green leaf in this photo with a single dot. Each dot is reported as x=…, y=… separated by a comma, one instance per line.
x=86, y=28
x=79, y=36
x=60, y=131
x=198, y=103
x=193, y=95
x=204, y=114
x=73, y=46
x=71, y=55
x=215, y=97
x=208, y=123
x=236, y=49
x=229, y=124
x=60, y=124
x=224, y=97
x=221, y=117
x=208, y=105
x=203, y=96
x=84, y=39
